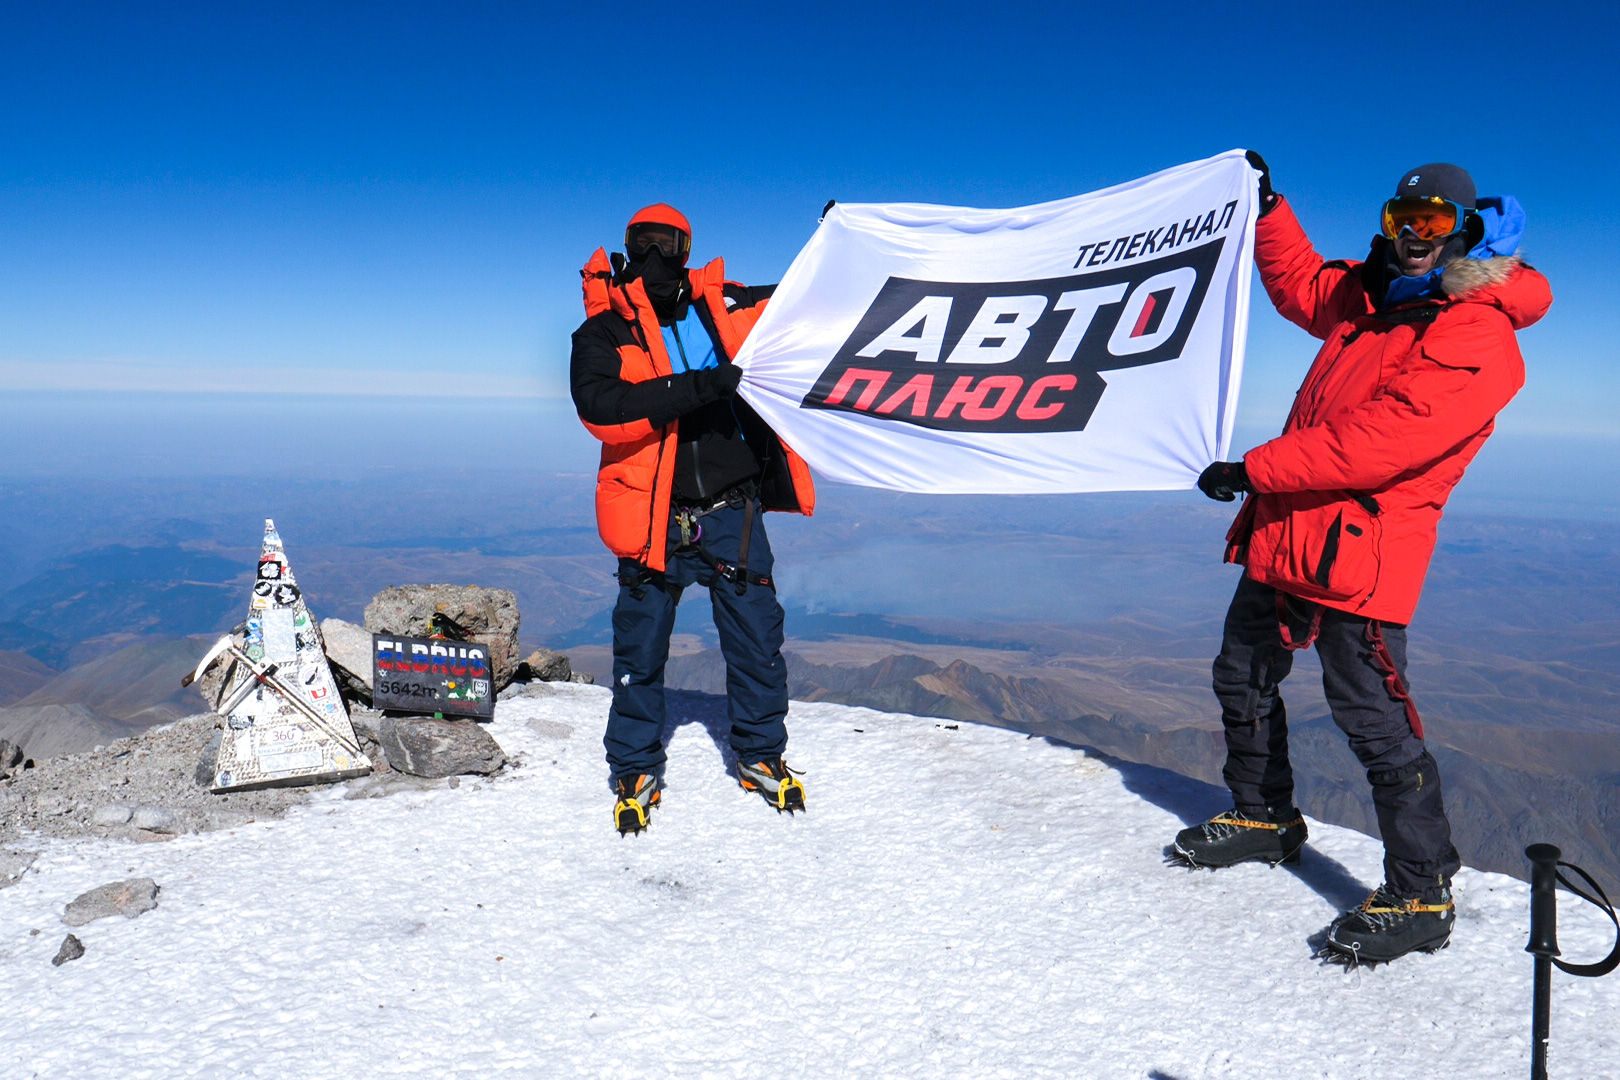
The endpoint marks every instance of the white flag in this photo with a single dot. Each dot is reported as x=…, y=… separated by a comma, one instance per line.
x=1089, y=344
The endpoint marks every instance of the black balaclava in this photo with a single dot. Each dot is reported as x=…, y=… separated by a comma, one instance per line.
x=666, y=283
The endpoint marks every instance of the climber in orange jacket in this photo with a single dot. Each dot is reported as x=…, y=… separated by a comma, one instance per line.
x=687, y=468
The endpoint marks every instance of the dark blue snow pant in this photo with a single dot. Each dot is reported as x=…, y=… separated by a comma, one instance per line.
x=749, y=621
x=1364, y=678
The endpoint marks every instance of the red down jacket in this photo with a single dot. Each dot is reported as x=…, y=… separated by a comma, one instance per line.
x=1397, y=403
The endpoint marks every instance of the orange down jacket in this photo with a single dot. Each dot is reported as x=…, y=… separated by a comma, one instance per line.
x=1349, y=497
x=636, y=475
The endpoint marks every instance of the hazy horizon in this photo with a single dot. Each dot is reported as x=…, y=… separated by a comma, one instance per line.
x=103, y=434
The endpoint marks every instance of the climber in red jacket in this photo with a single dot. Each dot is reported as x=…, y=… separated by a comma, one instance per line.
x=1335, y=537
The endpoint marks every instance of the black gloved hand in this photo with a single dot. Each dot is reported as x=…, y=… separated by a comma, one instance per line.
x=719, y=382
x=1268, y=197
x=1223, y=480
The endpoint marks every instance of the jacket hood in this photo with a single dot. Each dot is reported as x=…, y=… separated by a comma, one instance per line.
x=1493, y=272
x=1501, y=225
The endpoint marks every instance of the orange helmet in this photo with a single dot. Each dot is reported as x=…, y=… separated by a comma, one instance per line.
x=658, y=226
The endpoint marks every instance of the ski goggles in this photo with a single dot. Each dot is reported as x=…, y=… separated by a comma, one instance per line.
x=1427, y=217
x=643, y=237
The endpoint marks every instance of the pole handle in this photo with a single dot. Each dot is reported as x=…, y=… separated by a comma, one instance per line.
x=1543, y=942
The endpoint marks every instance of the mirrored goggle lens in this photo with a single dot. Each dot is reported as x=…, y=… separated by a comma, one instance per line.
x=1428, y=218
x=671, y=242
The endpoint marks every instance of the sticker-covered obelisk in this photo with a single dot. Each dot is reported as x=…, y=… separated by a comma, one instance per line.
x=283, y=721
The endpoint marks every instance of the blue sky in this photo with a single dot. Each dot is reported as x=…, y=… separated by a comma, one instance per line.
x=396, y=198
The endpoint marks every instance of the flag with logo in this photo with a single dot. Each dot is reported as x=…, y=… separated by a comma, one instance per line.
x=1089, y=344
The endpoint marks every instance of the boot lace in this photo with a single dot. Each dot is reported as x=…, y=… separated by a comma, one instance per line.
x=1233, y=821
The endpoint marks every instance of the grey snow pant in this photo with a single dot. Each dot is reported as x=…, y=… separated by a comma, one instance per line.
x=1364, y=678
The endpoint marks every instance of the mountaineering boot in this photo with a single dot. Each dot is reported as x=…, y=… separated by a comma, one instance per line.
x=774, y=780
x=1387, y=926
x=1235, y=837
x=637, y=794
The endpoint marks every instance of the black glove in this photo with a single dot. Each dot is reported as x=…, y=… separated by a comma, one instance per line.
x=718, y=382
x=1268, y=198
x=1223, y=480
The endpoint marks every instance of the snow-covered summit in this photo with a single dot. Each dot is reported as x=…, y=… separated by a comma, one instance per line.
x=959, y=901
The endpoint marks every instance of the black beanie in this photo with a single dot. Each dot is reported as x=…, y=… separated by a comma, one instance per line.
x=1439, y=179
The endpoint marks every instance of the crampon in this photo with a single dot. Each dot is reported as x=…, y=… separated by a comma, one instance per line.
x=637, y=795
x=775, y=781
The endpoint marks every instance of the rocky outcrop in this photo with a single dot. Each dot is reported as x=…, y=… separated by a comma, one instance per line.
x=548, y=666
x=11, y=759
x=100, y=792
x=489, y=616
x=423, y=746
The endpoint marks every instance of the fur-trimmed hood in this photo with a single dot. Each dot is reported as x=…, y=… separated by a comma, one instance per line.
x=1504, y=281
x=1470, y=275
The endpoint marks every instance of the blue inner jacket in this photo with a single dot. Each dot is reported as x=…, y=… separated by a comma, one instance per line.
x=688, y=343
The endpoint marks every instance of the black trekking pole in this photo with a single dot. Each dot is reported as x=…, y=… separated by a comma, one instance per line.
x=1543, y=946
x=1544, y=881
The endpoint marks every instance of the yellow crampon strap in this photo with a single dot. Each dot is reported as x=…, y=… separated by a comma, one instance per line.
x=1248, y=823
x=1410, y=907
x=787, y=784
x=628, y=804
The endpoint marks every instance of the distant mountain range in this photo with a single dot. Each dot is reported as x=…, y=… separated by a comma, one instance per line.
x=110, y=697
x=21, y=675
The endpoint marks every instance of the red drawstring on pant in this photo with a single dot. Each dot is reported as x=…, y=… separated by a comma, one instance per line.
x=1392, y=679
x=1287, y=635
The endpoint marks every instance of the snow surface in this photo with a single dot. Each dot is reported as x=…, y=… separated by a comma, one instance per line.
x=958, y=902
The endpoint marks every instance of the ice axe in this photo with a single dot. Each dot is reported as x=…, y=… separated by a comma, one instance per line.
x=218, y=649
x=265, y=675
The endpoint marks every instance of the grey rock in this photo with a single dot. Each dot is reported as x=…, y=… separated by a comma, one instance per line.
x=72, y=948
x=112, y=814
x=583, y=677
x=158, y=819
x=422, y=746
x=11, y=758
x=127, y=898
x=207, y=760
x=364, y=722
x=549, y=666
x=348, y=647
x=490, y=616
x=13, y=865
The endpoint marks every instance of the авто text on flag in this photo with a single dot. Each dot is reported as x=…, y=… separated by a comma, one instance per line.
x=1089, y=344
